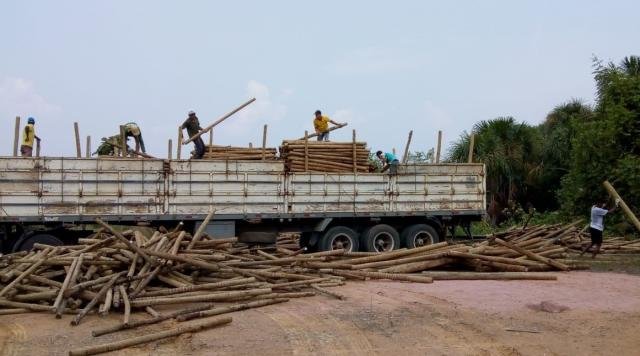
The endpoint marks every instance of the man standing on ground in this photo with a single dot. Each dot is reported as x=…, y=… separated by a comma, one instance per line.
x=321, y=125
x=596, y=227
x=131, y=129
x=389, y=161
x=29, y=134
x=192, y=124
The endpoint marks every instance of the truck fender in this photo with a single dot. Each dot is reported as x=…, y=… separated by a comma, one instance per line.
x=322, y=225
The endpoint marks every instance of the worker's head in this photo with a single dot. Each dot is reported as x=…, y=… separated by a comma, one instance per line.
x=318, y=113
x=192, y=113
x=379, y=154
x=31, y=121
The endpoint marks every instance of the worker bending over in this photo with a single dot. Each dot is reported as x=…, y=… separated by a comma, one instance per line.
x=29, y=134
x=192, y=124
x=131, y=129
x=321, y=124
x=389, y=161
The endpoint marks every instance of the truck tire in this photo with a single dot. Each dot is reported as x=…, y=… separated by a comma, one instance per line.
x=339, y=237
x=419, y=235
x=380, y=238
x=26, y=242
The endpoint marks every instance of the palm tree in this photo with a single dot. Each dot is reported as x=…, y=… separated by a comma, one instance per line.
x=510, y=152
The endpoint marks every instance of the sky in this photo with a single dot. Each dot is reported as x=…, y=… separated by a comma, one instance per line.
x=384, y=67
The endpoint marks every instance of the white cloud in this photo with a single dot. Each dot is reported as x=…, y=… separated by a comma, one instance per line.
x=376, y=60
x=264, y=110
x=18, y=96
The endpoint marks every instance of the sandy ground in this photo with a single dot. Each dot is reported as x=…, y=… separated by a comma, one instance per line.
x=583, y=313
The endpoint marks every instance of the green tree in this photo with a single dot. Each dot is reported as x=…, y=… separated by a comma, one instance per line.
x=511, y=154
x=607, y=147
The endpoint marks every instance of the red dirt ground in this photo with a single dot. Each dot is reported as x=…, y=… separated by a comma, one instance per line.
x=595, y=314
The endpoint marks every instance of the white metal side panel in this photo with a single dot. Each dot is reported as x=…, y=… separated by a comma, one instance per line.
x=334, y=192
x=228, y=187
x=75, y=186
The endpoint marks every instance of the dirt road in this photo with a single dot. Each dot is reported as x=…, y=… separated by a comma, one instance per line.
x=583, y=313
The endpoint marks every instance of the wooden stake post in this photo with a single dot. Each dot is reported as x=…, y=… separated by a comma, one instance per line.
x=625, y=208
x=37, y=148
x=405, y=158
x=88, y=152
x=123, y=142
x=179, y=145
x=264, y=142
x=210, y=141
x=306, y=151
x=355, y=162
x=170, y=149
x=471, y=143
x=16, y=139
x=329, y=130
x=439, y=147
x=226, y=116
x=78, y=146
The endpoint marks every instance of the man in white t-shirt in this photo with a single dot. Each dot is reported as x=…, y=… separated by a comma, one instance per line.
x=596, y=227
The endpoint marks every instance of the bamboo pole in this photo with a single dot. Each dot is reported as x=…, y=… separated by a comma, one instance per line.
x=224, y=117
x=264, y=141
x=76, y=129
x=439, y=147
x=329, y=130
x=16, y=137
x=306, y=151
x=201, y=228
x=170, y=149
x=127, y=305
x=179, y=145
x=122, y=344
x=405, y=158
x=627, y=211
x=37, y=148
x=230, y=309
x=88, y=147
x=498, y=276
x=471, y=144
x=210, y=140
x=355, y=161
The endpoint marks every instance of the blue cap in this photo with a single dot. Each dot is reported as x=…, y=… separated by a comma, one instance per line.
x=31, y=120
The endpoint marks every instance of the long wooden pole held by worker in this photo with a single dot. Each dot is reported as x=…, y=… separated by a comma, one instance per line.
x=405, y=158
x=329, y=130
x=630, y=215
x=76, y=129
x=226, y=116
x=16, y=139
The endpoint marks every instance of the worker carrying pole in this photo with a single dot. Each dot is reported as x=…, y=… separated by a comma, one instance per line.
x=28, y=136
x=321, y=125
x=131, y=129
x=192, y=124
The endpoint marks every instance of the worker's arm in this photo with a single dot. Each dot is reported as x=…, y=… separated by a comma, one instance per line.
x=335, y=123
x=384, y=168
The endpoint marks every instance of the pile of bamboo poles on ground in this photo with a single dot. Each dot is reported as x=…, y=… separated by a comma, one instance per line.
x=131, y=273
x=319, y=156
x=239, y=153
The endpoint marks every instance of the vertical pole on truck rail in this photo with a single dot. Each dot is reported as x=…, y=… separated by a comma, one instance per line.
x=355, y=162
x=88, y=153
x=76, y=129
x=393, y=150
x=439, y=147
x=123, y=142
x=179, y=145
x=250, y=144
x=471, y=143
x=37, y=148
x=264, y=142
x=405, y=158
x=306, y=151
x=210, y=141
x=16, y=139
x=170, y=150
x=625, y=208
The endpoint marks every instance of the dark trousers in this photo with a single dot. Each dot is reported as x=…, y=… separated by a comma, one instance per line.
x=199, y=148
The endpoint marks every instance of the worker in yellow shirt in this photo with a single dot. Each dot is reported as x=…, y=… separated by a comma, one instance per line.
x=28, y=136
x=321, y=124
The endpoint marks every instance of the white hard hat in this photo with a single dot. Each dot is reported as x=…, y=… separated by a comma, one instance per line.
x=191, y=112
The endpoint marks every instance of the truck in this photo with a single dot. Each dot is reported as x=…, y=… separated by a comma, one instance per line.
x=56, y=200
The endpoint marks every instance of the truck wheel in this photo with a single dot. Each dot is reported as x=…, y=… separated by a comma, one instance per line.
x=419, y=235
x=339, y=237
x=380, y=238
x=26, y=243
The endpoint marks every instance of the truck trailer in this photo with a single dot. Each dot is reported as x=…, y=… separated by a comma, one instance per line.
x=56, y=200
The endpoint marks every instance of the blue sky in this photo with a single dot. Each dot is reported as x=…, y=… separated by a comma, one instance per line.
x=384, y=67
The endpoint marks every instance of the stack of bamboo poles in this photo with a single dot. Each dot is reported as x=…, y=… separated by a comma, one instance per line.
x=239, y=153
x=131, y=274
x=319, y=156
